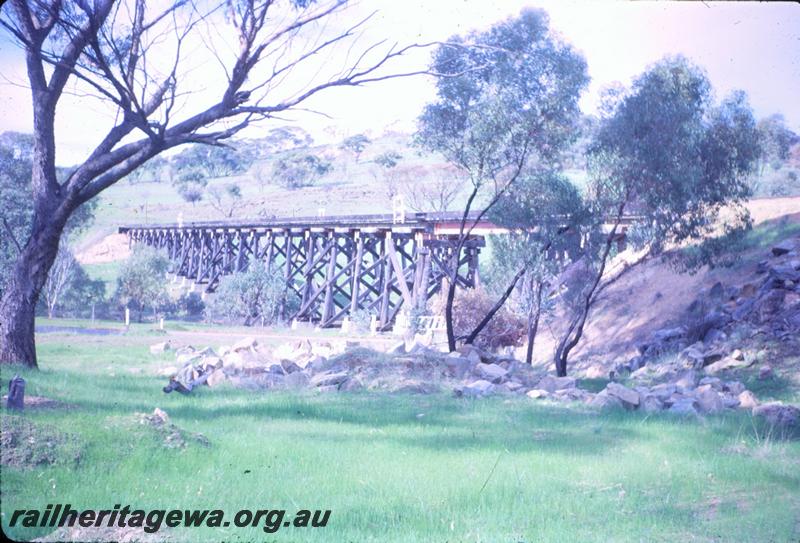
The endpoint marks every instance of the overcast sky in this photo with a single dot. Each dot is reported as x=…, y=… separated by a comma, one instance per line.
x=749, y=46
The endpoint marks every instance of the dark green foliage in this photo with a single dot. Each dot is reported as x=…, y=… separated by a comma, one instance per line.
x=141, y=283
x=668, y=153
x=515, y=100
x=16, y=204
x=213, y=160
x=300, y=170
x=191, y=305
x=388, y=160
x=356, y=144
x=256, y=295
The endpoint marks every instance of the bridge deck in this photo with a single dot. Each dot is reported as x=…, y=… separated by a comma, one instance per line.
x=425, y=221
x=440, y=223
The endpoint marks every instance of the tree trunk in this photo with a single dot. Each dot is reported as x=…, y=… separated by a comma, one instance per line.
x=488, y=317
x=18, y=304
x=533, y=320
x=575, y=329
x=448, y=314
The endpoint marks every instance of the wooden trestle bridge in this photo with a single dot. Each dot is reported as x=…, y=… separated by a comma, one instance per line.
x=335, y=265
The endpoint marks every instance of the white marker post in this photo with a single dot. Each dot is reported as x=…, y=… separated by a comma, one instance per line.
x=373, y=325
x=127, y=316
x=161, y=324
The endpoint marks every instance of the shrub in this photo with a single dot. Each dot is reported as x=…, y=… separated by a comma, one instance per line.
x=191, y=304
x=470, y=306
x=256, y=295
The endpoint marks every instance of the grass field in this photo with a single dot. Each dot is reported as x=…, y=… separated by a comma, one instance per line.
x=394, y=467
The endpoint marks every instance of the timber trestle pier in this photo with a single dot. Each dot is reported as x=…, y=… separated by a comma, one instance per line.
x=335, y=265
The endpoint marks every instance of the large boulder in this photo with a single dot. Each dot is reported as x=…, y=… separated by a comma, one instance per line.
x=726, y=363
x=457, y=366
x=663, y=391
x=687, y=380
x=747, y=400
x=551, y=384
x=707, y=400
x=290, y=366
x=217, y=376
x=650, y=403
x=471, y=353
x=684, y=407
x=296, y=379
x=480, y=387
x=603, y=400
x=246, y=344
x=537, y=394
x=786, y=246
x=328, y=379
x=628, y=397
x=491, y=372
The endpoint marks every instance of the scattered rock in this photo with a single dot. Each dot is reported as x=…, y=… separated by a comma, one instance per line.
x=687, y=380
x=246, y=344
x=480, y=387
x=537, y=394
x=603, y=400
x=216, y=377
x=747, y=400
x=628, y=397
x=684, y=406
x=328, y=379
x=765, y=372
x=159, y=348
x=457, y=366
x=651, y=403
x=707, y=400
x=491, y=372
x=786, y=246
x=727, y=363
x=296, y=380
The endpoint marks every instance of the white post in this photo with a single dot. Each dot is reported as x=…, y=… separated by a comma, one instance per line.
x=161, y=324
x=294, y=324
x=127, y=316
x=345, y=325
x=373, y=325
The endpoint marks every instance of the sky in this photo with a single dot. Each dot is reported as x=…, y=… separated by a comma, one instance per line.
x=741, y=45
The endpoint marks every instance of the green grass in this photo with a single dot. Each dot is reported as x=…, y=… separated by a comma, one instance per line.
x=399, y=467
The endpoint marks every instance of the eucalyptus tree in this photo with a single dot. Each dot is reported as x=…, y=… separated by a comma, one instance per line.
x=134, y=58
x=546, y=215
x=665, y=152
x=515, y=103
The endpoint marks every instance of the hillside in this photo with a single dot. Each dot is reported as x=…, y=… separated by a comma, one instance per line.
x=355, y=185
